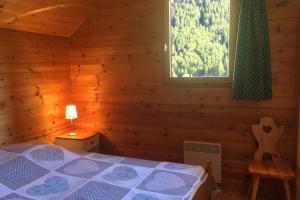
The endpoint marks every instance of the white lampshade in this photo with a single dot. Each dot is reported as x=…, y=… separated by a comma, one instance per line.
x=71, y=112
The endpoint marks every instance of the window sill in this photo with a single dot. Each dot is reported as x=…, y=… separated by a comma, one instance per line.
x=222, y=82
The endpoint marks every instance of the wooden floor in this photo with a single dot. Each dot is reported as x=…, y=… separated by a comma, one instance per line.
x=224, y=196
x=228, y=197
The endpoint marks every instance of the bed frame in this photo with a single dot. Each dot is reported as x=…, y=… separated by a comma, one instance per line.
x=205, y=190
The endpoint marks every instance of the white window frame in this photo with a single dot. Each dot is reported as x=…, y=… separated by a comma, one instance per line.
x=197, y=80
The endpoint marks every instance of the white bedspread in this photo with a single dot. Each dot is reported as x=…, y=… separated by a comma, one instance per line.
x=49, y=172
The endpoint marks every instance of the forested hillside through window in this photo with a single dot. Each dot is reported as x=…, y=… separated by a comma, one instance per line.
x=199, y=31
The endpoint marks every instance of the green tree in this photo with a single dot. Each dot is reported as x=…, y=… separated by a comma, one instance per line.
x=200, y=37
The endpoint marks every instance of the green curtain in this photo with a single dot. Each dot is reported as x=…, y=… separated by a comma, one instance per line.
x=252, y=77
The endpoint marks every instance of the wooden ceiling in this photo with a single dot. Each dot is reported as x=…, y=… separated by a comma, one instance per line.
x=53, y=17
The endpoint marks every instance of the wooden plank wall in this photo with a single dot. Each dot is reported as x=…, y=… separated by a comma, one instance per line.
x=298, y=143
x=59, y=18
x=118, y=86
x=34, y=85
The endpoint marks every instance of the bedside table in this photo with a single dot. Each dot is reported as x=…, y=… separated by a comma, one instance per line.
x=84, y=140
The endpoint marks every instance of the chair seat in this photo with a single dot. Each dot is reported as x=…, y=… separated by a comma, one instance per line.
x=271, y=169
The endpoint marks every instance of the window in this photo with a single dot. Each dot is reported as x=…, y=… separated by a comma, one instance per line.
x=198, y=39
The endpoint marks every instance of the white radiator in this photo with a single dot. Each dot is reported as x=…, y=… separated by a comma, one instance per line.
x=198, y=153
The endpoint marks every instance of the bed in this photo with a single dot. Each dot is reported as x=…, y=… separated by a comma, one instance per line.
x=48, y=172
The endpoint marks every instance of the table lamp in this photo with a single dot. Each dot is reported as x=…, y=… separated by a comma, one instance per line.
x=71, y=114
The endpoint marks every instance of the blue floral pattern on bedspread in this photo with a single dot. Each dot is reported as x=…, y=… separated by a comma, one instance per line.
x=52, y=185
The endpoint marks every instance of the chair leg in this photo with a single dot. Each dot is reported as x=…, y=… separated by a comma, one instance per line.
x=250, y=186
x=287, y=189
x=256, y=180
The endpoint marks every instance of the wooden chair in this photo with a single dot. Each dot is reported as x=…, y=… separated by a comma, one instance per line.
x=267, y=134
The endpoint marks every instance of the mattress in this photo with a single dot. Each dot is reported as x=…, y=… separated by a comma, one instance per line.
x=48, y=172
